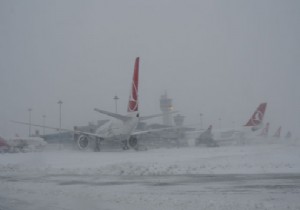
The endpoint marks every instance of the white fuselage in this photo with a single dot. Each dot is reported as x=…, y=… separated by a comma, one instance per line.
x=119, y=130
x=235, y=135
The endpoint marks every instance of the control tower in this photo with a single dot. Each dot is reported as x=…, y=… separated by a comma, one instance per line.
x=178, y=120
x=166, y=108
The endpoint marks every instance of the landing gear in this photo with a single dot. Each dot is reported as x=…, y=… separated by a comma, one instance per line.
x=209, y=142
x=133, y=142
x=97, y=147
x=125, y=145
x=212, y=144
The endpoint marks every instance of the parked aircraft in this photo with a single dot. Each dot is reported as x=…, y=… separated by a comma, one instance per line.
x=265, y=131
x=288, y=135
x=206, y=138
x=4, y=147
x=218, y=137
x=120, y=128
x=277, y=133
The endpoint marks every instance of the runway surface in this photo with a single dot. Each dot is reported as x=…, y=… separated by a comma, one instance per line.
x=229, y=191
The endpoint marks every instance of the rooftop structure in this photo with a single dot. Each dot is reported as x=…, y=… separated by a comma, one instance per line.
x=166, y=108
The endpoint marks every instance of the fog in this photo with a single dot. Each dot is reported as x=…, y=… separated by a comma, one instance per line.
x=219, y=58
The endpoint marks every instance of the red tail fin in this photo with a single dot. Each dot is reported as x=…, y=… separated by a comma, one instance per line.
x=265, y=131
x=277, y=133
x=257, y=116
x=3, y=143
x=133, y=98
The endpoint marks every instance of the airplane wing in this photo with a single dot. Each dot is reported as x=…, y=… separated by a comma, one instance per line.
x=198, y=131
x=152, y=116
x=62, y=129
x=153, y=130
x=114, y=115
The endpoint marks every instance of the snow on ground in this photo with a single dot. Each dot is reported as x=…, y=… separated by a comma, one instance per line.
x=273, y=158
x=229, y=177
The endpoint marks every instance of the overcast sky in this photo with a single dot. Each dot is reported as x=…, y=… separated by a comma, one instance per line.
x=220, y=58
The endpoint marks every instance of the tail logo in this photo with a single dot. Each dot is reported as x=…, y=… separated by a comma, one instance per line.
x=257, y=117
x=133, y=98
x=133, y=103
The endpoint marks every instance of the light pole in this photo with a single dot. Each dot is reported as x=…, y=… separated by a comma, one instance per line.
x=60, y=103
x=29, y=110
x=116, y=98
x=201, y=120
x=44, y=119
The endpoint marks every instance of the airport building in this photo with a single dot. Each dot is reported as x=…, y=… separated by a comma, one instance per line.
x=166, y=107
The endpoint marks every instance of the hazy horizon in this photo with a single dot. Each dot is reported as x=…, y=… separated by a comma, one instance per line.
x=219, y=58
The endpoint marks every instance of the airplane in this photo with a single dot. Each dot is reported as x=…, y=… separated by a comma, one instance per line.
x=288, y=135
x=217, y=137
x=277, y=133
x=206, y=138
x=265, y=130
x=256, y=121
x=120, y=128
x=4, y=147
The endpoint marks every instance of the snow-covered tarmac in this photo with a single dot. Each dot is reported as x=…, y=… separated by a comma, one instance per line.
x=231, y=177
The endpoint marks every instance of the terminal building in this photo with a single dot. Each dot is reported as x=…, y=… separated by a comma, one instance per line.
x=166, y=107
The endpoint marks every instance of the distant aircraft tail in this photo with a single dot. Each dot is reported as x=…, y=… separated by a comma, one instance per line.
x=209, y=128
x=277, y=133
x=207, y=132
x=288, y=135
x=133, y=98
x=3, y=142
x=256, y=120
x=265, y=131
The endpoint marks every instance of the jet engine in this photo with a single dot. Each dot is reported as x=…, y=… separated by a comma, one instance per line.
x=82, y=142
x=132, y=141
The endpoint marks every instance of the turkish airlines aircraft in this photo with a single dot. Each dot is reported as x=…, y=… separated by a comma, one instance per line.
x=217, y=137
x=121, y=128
x=277, y=133
x=249, y=130
x=4, y=146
